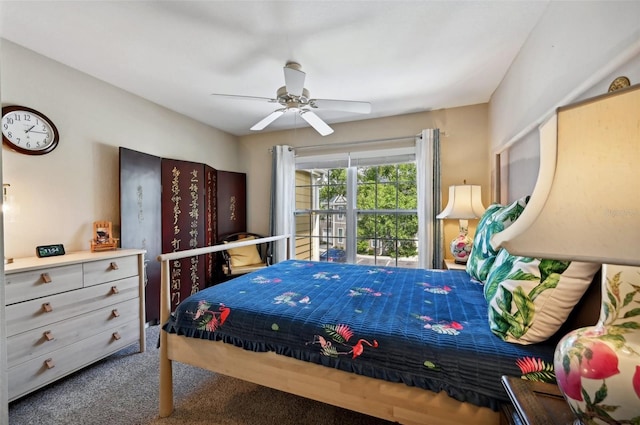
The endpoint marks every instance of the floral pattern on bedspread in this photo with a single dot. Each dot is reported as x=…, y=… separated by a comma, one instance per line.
x=426, y=328
x=340, y=335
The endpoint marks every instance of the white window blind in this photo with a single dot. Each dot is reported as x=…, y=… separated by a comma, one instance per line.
x=355, y=159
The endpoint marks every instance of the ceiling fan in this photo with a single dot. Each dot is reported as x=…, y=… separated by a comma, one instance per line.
x=293, y=96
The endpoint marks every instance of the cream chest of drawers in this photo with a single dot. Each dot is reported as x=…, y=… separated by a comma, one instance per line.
x=64, y=313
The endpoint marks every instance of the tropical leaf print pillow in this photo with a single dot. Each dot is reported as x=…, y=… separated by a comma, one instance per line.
x=530, y=298
x=494, y=220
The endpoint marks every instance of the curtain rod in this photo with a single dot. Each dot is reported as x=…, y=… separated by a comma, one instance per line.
x=353, y=144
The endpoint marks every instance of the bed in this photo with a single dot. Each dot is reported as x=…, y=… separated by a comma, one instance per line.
x=406, y=345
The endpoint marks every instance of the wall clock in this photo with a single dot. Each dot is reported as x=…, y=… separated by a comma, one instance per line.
x=28, y=131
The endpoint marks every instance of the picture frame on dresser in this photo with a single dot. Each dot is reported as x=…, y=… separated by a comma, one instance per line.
x=103, y=236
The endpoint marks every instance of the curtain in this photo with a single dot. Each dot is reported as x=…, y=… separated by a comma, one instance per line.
x=430, y=236
x=282, y=200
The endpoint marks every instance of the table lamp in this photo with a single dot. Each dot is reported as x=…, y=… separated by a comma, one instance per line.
x=586, y=207
x=465, y=202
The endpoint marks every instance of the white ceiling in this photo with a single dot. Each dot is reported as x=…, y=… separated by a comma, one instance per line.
x=402, y=56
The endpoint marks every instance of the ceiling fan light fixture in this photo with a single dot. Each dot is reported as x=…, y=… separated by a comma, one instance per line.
x=287, y=100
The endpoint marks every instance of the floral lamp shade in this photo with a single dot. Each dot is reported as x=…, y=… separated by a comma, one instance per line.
x=586, y=207
x=465, y=202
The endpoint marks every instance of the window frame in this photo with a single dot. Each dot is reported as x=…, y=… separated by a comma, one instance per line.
x=351, y=210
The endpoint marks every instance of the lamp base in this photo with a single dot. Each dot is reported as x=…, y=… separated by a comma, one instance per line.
x=598, y=367
x=461, y=248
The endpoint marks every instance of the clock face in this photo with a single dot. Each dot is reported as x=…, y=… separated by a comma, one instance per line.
x=28, y=131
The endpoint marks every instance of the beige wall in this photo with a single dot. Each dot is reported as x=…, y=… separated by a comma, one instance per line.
x=464, y=147
x=574, y=52
x=56, y=197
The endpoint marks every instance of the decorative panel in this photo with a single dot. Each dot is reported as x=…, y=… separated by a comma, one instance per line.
x=183, y=224
x=140, y=223
x=211, y=222
x=231, y=203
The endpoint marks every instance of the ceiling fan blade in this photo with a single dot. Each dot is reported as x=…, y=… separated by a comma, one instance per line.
x=239, y=97
x=268, y=119
x=342, y=105
x=294, y=79
x=315, y=122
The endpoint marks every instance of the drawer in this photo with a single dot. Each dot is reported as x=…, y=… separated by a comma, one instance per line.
x=49, y=367
x=48, y=310
x=27, y=345
x=40, y=283
x=101, y=271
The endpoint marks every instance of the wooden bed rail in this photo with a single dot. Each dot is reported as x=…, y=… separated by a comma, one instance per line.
x=221, y=247
x=166, y=369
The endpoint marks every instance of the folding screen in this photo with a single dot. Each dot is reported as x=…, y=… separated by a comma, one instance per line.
x=169, y=205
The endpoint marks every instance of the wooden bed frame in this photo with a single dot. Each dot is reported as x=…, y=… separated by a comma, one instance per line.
x=395, y=402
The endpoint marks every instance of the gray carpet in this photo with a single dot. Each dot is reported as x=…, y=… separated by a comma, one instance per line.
x=123, y=390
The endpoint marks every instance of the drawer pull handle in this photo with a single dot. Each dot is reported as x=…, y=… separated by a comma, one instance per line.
x=46, y=278
x=114, y=265
x=49, y=363
x=115, y=312
x=114, y=290
x=47, y=307
x=116, y=336
x=48, y=336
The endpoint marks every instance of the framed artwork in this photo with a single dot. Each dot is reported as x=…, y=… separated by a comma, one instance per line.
x=103, y=236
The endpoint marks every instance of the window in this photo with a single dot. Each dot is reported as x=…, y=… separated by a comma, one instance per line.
x=316, y=172
x=370, y=211
x=386, y=210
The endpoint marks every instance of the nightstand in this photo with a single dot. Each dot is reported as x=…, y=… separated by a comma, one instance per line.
x=452, y=265
x=536, y=403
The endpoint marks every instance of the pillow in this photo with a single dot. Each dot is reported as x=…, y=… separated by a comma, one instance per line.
x=495, y=219
x=244, y=255
x=530, y=298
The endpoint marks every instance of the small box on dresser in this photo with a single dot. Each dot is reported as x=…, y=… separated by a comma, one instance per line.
x=66, y=312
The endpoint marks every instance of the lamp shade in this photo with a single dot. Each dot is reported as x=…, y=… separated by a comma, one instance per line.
x=465, y=201
x=586, y=202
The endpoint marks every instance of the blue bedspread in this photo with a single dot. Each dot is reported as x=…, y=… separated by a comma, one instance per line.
x=426, y=328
